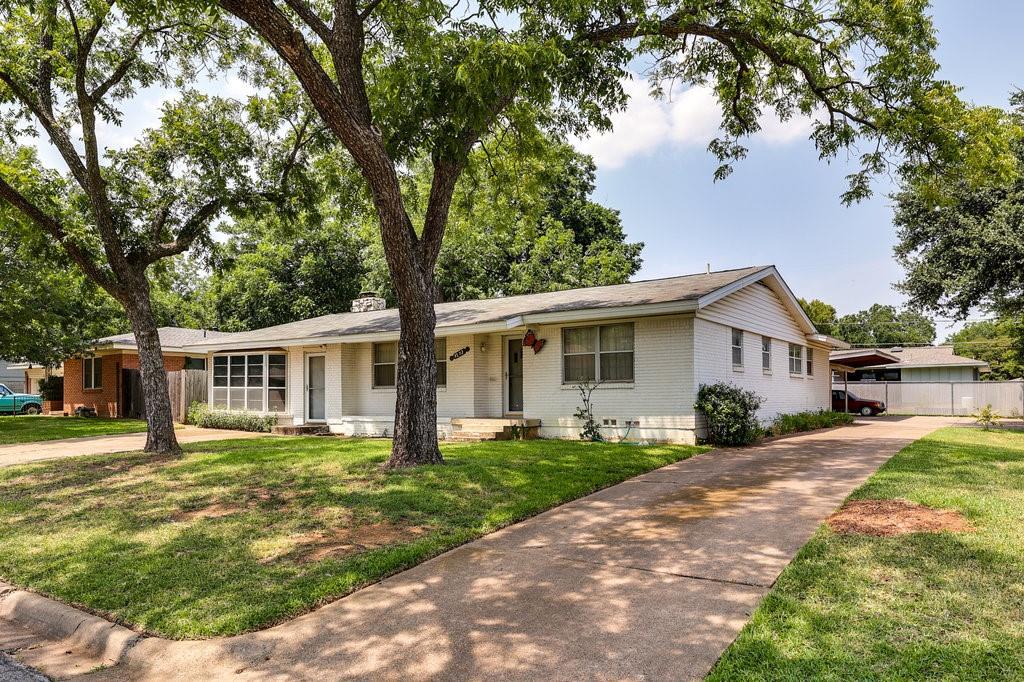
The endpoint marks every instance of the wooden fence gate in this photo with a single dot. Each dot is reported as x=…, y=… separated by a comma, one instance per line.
x=186, y=387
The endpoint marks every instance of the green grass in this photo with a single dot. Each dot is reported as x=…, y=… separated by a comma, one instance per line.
x=920, y=606
x=31, y=429
x=289, y=523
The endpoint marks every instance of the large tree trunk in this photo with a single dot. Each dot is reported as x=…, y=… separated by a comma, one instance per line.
x=160, y=438
x=415, y=440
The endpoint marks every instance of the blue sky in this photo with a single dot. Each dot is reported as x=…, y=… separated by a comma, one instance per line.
x=781, y=205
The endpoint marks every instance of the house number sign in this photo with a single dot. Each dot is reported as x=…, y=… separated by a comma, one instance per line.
x=458, y=354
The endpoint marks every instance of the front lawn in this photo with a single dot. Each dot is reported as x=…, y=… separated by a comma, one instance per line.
x=30, y=429
x=918, y=606
x=241, y=534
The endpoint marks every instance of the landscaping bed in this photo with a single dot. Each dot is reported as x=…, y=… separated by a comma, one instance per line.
x=32, y=429
x=924, y=581
x=241, y=534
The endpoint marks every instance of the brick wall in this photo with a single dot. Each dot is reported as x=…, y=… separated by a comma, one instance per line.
x=105, y=399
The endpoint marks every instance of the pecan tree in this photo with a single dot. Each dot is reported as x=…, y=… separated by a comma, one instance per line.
x=395, y=80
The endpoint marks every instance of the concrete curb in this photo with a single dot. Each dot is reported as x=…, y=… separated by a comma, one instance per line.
x=75, y=629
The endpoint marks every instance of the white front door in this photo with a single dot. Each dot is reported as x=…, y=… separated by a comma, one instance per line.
x=316, y=393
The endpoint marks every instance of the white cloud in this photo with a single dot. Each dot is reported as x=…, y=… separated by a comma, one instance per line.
x=688, y=118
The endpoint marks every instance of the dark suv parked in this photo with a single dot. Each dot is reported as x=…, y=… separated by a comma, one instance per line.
x=868, y=408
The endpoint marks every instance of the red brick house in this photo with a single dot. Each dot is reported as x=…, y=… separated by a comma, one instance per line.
x=106, y=378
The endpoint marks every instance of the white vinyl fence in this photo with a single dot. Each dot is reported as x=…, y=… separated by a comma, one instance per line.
x=943, y=397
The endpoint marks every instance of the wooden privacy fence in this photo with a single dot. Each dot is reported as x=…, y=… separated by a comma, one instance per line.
x=958, y=398
x=186, y=387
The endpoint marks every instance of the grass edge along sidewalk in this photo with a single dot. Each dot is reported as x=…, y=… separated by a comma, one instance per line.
x=914, y=606
x=241, y=534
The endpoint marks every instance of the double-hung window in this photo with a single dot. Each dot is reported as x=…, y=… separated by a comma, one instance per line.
x=796, y=359
x=252, y=382
x=810, y=362
x=766, y=353
x=385, y=363
x=601, y=353
x=737, y=347
x=92, y=373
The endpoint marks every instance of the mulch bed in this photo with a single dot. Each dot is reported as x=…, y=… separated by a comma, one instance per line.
x=883, y=518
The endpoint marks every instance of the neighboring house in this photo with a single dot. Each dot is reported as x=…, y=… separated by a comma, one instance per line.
x=106, y=378
x=910, y=364
x=650, y=345
x=12, y=376
x=32, y=374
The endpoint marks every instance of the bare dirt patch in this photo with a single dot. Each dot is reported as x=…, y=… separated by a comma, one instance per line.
x=341, y=542
x=883, y=518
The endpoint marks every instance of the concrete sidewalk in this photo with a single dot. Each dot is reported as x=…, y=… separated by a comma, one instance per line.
x=649, y=579
x=21, y=453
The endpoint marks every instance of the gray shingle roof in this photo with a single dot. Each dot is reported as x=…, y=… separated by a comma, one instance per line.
x=170, y=337
x=459, y=313
x=932, y=356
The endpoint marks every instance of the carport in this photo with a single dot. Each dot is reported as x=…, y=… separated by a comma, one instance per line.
x=847, y=361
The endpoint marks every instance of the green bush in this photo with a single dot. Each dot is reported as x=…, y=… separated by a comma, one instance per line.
x=52, y=388
x=730, y=413
x=201, y=415
x=808, y=421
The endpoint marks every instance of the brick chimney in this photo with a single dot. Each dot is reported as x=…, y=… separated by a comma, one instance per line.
x=367, y=301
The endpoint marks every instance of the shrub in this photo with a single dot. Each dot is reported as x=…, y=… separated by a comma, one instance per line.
x=52, y=388
x=730, y=413
x=201, y=415
x=986, y=417
x=808, y=421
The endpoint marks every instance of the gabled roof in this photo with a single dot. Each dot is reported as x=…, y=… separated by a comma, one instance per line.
x=657, y=296
x=171, y=338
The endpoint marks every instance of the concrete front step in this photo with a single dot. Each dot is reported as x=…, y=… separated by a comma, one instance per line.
x=474, y=436
x=483, y=428
x=301, y=430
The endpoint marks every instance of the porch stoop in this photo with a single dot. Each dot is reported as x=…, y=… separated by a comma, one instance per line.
x=469, y=429
x=301, y=430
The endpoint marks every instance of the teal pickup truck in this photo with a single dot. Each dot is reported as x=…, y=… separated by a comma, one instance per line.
x=19, y=403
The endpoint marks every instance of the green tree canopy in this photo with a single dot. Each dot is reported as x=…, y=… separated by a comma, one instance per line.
x=821, y=314
x=396, y=82
x=961, y=231
x=999, y=342
x=520, y=225
x=885, y=325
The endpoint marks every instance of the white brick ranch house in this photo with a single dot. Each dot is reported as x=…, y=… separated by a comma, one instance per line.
x=650, y=344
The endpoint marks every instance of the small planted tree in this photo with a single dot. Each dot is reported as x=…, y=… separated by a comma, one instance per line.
x=730, y=414
x=585, y=412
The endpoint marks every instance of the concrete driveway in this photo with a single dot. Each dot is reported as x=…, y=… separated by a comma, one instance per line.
x=21, y=453
x=649, y=579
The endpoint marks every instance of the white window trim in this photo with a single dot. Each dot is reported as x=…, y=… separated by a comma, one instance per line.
x=90, y=363
x=373, y=367
x=799, y=356
x=808, y=361
x=733, y=347
x=392, y=387
x=597, y=354
x=211, y=364
x=766, y=353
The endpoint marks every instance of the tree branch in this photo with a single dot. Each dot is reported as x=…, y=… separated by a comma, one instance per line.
x=676, y=25
x=55, y=229
x=310, y=17
x=188, y=233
